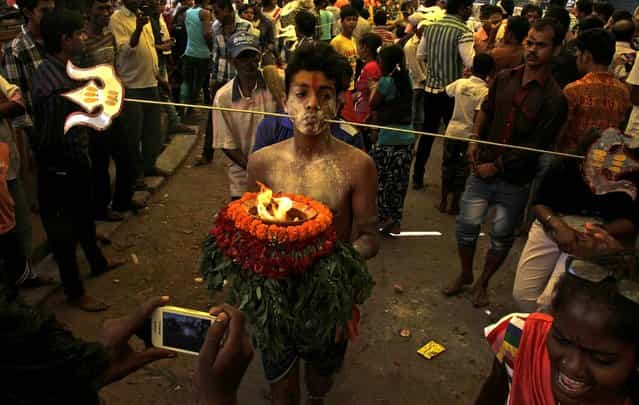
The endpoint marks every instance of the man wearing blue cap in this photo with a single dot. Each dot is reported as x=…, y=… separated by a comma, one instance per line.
x=232, y=132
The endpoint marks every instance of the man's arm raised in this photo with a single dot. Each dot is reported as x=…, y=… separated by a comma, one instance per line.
x=364, y=204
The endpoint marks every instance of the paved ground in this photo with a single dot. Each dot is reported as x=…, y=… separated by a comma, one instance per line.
x=163, y=243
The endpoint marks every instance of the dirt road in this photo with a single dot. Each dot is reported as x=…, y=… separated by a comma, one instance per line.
x=381, y=367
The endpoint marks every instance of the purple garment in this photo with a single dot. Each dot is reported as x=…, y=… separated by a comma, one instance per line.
x=277, y=129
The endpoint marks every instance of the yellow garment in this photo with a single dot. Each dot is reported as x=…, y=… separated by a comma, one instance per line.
x=348, y=49
x=137, y=67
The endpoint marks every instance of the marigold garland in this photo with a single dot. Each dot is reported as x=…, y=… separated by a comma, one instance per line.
x=272, y=250
x=290, y=280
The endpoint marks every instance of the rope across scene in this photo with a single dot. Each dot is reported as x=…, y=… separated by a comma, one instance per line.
x=357, y=124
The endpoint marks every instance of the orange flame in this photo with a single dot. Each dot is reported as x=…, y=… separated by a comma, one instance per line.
x=271, y=208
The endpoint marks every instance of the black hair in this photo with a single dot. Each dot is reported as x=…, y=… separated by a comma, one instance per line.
x=561, y=18
x=590, y=22
x=319, y=57
x=624, y=314
x=392, y=62
x=518, y=26
x=621, y=15
x=487, y=10
x=358, y=5
x=429, y=3
x=27, y=4
x=89, y=4
x=347, y=11
x=242, y=8
x=406, y=6
x=531, y=7
x=364, y=13
x=508, y=6
x=305, y=23
x=380, y=17
x=584, y=6
x=453, y=6
x=223, y=4
x=54, y=25
x=604, y=9
x=599, y=42
x=371, y=42
x=623, y=30
x=558, y=3
x=483, y=64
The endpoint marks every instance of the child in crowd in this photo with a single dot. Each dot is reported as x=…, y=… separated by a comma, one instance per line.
x=583, y=352
x=12, y=258
x=469, y=94
x=369, y=76
x=393, y=151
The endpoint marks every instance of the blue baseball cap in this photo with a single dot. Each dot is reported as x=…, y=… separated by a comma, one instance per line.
x=243, y=41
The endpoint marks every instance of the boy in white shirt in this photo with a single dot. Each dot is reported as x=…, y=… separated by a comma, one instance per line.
x=469, y=94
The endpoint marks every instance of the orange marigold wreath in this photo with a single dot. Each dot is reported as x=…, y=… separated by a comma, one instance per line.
x=274, y=251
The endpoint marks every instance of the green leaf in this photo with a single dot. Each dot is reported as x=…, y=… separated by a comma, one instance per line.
x=258, y=291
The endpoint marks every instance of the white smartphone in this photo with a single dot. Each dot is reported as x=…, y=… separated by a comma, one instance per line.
x=180, y=329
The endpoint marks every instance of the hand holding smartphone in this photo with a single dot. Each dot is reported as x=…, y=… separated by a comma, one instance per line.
x=180, y=329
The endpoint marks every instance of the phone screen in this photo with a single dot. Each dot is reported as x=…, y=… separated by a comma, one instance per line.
x=184, y=332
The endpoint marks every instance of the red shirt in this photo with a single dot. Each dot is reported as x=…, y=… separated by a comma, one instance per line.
x=597, y=100
x=371, y=72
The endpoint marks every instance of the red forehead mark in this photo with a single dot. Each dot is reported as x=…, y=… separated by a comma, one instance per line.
x=315, y=82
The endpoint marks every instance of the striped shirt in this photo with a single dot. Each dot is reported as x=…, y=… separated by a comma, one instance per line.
x=446, y=46
x=99, y=50
x=52, y=147
x=222, y=70
x=21, y=57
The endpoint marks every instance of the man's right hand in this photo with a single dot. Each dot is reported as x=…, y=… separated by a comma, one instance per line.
x=565, y=237
x=220, y=367
x=140, y=21
x=471, y=153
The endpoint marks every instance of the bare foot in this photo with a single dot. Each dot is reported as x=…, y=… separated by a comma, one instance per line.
x=457, y=286
x=112, y=263
x=89, y=304
x=453, y=210
x=480, y=297
x=441, y=207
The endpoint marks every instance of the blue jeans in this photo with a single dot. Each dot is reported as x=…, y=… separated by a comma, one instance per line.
x=479, y=195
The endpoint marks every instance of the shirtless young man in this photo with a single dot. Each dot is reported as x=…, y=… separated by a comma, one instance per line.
x=315, y=164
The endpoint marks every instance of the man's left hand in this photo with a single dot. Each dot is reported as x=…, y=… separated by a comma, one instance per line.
x=486, y=170
x=116, y=334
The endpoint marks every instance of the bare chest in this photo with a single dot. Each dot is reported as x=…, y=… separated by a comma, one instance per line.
x=326, y=180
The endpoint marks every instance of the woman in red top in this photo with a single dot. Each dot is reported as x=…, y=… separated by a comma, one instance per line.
x=584, y=352
x=369, y=76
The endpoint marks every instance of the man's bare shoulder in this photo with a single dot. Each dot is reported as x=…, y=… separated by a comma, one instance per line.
x=356, y=158
x=272, y=152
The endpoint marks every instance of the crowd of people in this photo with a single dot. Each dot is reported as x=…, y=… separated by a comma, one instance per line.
x=550, y=79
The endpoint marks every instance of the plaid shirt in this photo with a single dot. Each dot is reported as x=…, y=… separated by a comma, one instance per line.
x=222, y=70
x=21, y=58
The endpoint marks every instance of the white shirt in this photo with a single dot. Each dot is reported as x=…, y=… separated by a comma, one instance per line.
x=633, y=122
x=618, y=66
x=232, y=130
x=416, y=67
x=469, y=94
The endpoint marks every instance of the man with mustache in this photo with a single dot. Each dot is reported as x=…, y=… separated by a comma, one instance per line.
x=316, y=164
x=524, y=106
x=232, y=132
